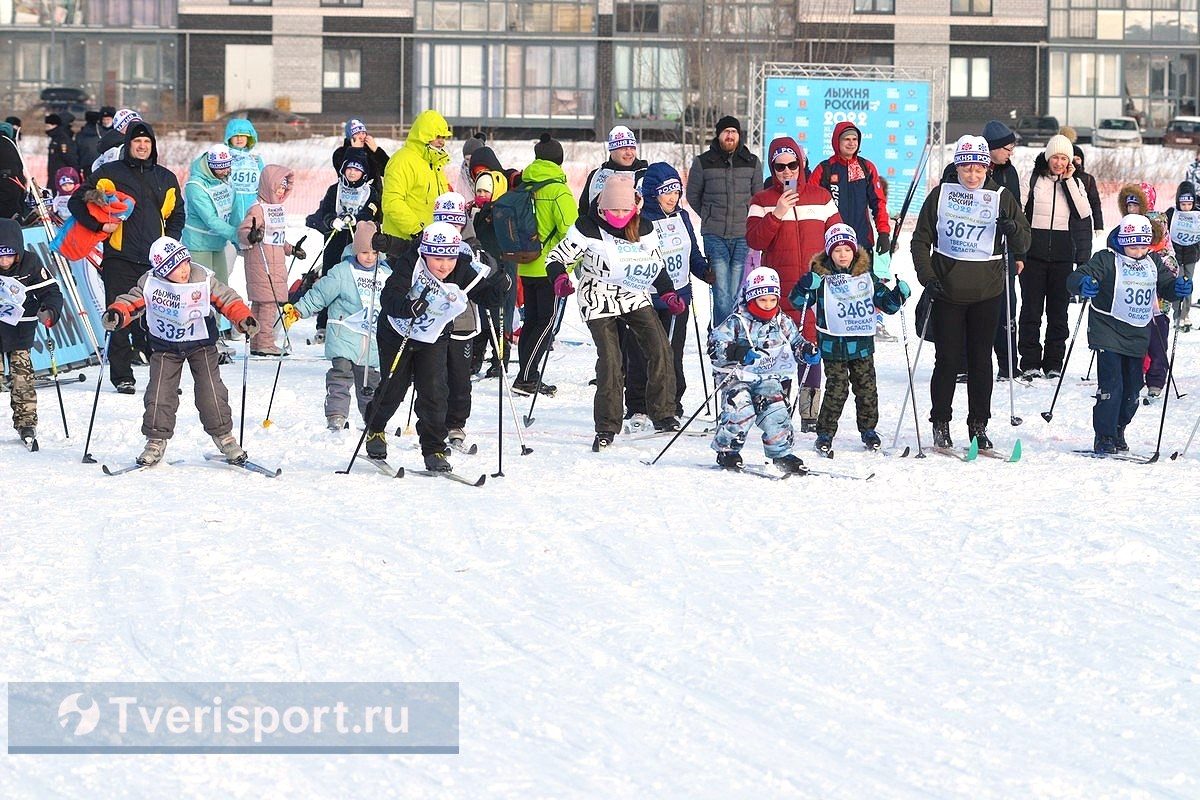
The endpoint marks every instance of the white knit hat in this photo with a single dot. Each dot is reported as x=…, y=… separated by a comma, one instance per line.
x=1059, y=145
x=1134, y=230
x=166, y=254
x=841, y=233
x=440, y=239
x=619, y=137
x=219, y=158
x=450, y=207
x=761, y=281
x=972, y=150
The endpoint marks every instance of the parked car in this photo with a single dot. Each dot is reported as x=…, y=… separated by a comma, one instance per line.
x=1117, y=132
x=1182, y=132
x=1036, y=130
x=57, y=99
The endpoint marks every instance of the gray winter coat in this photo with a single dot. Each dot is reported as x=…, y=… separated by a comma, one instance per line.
x=719, y=188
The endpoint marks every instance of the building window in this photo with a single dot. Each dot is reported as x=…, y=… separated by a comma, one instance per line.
x=342, y=70
x=476, y=82
x=874, y=6
x=637, y=18
x=344, y=3
x=528, y=16
x=971, y=7
x=970, y=77
x=649, y=82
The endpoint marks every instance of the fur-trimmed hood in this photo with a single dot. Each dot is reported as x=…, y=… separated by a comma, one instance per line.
x=1135, y=190
x=823, y=265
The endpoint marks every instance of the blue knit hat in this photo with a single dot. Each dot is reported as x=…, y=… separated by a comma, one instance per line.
x=166, y=254
x=354, y=126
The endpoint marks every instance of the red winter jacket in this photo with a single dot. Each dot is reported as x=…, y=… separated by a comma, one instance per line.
x=788, y=245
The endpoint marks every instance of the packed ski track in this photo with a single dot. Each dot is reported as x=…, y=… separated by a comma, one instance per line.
x=948, y=629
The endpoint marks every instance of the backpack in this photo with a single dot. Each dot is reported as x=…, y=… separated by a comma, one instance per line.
x=514, y=223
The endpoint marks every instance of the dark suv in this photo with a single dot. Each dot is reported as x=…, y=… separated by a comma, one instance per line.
x=1035, y=130
x=57, y=99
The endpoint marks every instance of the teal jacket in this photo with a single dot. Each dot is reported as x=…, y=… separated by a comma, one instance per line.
x=208, y=201
x=843, y=348
x=246, y=167
x=339, y=292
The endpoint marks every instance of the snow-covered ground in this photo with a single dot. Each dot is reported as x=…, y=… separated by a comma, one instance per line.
x=982, y=630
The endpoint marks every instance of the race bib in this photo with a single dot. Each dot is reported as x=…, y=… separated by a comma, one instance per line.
x=363, y=321
x=12, y=300
x=351, y=200
x=777, y=359
x=244, y=175
x=675, y=246
x=446, y=301
x=628, y=264
x=222, y=198
x=276, y=224
x=966, y=222
x=1185, y=228
x=59, y=203
x=849, y=305
x=176, y=312
x=1133, y=293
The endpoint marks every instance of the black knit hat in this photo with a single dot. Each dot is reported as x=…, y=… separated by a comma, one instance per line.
x=728, y=122
x=53, y=119
x=107, y=111
x=548, y=149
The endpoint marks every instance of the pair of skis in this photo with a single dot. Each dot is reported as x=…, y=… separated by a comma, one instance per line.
x=973, y=452
x=247, y=465
x=387, y=469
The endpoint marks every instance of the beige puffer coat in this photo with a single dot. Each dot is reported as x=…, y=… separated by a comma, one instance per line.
x=274, y=249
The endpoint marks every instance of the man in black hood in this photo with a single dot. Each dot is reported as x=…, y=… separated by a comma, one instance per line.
x=61, y=149
x=158, y=210
x=12, y=174
x=87, y=141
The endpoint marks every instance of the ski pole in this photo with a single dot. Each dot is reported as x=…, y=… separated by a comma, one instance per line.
x=376, y=402
x=691, y=419
x=1049, y=415
x=87, y=456
x=918, y=174
x=1162, y=419
x=499, y=354
x=1013, y=419
x=911, y=368
x=1088, y=376
x=57, y=388
x=1162, y=337
x=556, y=323
x=245, y=375
x=1187, y=446
x=407, y=430
x=908, y=389
x=506, y=390
x=700, y=355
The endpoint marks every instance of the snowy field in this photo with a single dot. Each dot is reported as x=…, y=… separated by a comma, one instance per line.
x=982, y=630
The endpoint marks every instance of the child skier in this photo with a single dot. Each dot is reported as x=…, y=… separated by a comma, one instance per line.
x=262, y=237
x=1140, y=199
x=754, y=349
x=350, y=292
x=1123, y=283
x=1183, y=222
x=177, y=299
x=846, y=296
x=27, y=294
x=66, y=181
x=429, y=286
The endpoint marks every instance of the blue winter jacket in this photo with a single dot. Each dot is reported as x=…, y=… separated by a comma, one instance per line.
x=656, y=174
x=205, y=228
x=339, y=292
x=246, y=167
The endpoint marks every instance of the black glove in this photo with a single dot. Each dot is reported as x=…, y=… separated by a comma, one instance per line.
x=419, y=305
x=384, y=242
x=736, y=352
x=256, y=233
x=935, y=290
x=884, y=244
x=1006, y=226
x=298, y=252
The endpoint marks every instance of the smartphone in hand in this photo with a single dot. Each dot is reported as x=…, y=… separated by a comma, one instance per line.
x=790, y=184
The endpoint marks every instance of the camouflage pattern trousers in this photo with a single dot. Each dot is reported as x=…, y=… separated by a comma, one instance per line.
x=839, y=377
x=23, y=396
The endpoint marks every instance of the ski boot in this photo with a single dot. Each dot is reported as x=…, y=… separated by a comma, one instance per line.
x=602, y=441
x=871, y=440
x=790, y=464
x=730, y=460
x=941, y=435
x=229, y=447
x=824, y=445
x=335, y=422
x=456, y=436
x=436, y=462
x=978, y=432
x=377, y=445
x=638, y=423
x=1120, y=443
x=153, y=452
x=1104, y=445
x=534, y=387
x=666, y=425
x=808, y=425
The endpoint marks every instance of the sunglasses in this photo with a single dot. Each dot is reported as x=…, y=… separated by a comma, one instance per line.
x=785, y=167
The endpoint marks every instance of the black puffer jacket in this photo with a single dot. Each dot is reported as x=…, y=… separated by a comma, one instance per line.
x=41, y=289
x=12, y=175
x=155, y=190
x=61, y=148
